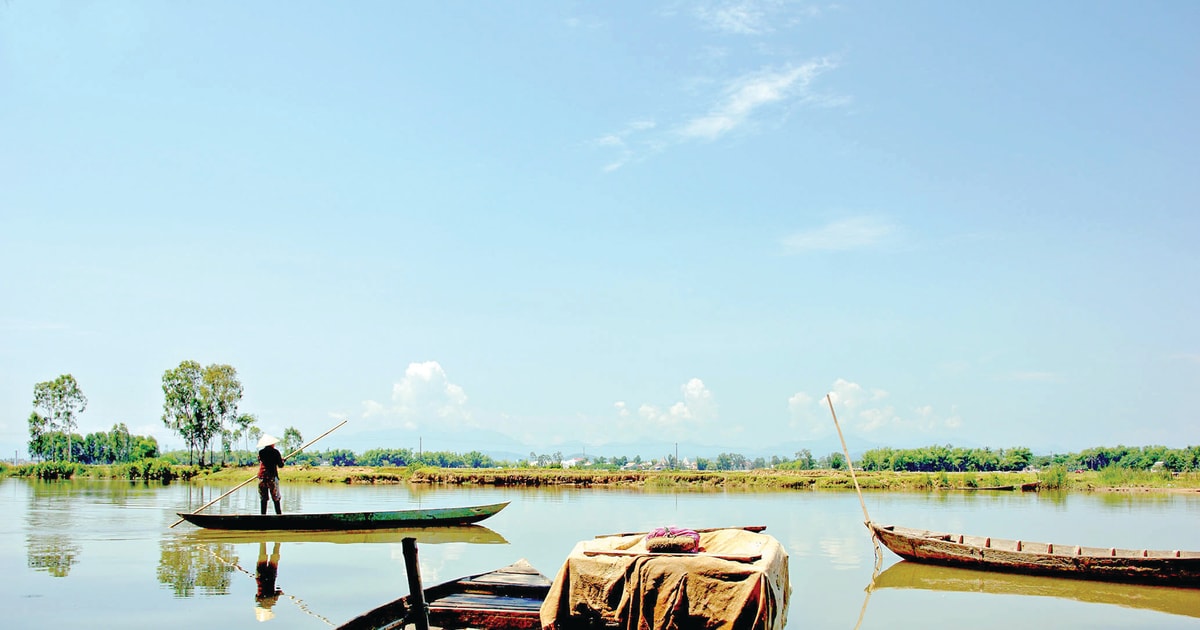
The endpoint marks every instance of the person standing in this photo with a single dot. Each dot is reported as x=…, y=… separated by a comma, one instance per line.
x=269, y=463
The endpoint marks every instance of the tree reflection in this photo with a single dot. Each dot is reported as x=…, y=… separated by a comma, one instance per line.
x=53, y=553
x=184, y=567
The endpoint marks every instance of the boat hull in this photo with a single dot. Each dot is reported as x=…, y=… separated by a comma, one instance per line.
x=506, y=598
x=346, y=520
x=1175, y=568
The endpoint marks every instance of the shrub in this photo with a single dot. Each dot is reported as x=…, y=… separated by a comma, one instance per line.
x=1054, y=477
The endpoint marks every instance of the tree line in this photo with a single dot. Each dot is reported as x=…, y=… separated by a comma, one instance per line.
x=200, y=404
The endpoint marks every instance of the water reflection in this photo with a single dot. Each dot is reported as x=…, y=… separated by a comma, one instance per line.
x=265, y=573
x=185, y=566
x=912, y=575
x=48, y=546
x=474, y=534
x=52, y=553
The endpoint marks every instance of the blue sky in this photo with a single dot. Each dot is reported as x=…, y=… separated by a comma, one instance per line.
x=536, y=226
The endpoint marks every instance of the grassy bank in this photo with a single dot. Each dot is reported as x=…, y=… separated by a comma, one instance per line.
x=1109, y=479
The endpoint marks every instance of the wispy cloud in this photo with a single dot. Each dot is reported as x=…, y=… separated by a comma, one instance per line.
x=739, y=103
x=27, y=326
x=854, y=233
x=866, y=410
x=629, y=143
x=754, y=17
x=747, y=95
x=1034, y=377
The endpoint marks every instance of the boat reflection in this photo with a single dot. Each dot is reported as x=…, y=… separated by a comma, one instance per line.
x=1165, y=599
x=473, y=534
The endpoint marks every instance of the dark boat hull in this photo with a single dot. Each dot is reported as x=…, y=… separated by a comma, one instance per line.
x=1175, y=568
x=510, y=597
x=346, y=520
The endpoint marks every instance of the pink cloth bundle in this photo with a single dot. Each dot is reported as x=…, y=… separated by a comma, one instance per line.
x=673, y=540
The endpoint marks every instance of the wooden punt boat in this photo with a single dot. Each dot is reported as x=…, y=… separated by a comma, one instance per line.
x=1174, y=568
x=929, y=577
x=346, y=520
x=505, y=598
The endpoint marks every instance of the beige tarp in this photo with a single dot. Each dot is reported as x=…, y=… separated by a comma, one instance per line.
x=739, y=582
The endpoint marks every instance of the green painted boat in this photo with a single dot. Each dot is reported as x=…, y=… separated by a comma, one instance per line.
x=346, y=520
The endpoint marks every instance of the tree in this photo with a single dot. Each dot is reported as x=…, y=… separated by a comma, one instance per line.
x=291, y=440
x=221, y=392
x=62, y=400
x=120, y=443
x=183, y=411
x=39, y=438
x=198, y=402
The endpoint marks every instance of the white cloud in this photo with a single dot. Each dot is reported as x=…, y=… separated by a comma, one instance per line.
x=746, y=95
x=854, y=233
x=424, y=397
x=865, y=411
x=696, y=411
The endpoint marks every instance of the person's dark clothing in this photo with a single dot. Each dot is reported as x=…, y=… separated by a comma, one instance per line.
x=268, y=478
x=270, y=461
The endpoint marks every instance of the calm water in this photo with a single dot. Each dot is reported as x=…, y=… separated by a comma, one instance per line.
x=101, y=554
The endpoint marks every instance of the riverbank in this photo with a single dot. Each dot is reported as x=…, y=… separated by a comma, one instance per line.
x=1107, y=480
x=722, y=480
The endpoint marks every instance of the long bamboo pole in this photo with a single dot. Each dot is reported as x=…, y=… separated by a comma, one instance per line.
x=288, y=456
x=849, y=462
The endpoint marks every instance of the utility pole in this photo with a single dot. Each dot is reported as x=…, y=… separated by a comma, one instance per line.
x=677, y=456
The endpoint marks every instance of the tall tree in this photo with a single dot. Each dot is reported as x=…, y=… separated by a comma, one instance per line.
x=221, y=392
x=62, y=400
x=183, y=411
x=198, y=402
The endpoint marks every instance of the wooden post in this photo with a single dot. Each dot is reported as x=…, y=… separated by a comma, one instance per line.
x=418, y=613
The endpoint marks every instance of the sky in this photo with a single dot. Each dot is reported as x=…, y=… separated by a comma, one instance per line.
x=618, y=227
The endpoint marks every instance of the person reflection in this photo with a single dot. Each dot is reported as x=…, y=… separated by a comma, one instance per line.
x=267, y=594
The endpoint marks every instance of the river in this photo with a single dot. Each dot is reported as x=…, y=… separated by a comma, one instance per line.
x=102, y=554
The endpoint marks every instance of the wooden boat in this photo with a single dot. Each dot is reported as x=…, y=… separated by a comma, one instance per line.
x=473, y=534
x=1175, y=568
x=912, y=575
x=505, y=598
x=346, y=520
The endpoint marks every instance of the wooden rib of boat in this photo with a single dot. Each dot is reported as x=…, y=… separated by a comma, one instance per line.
x=346, y=520
x=1175, y=568
x=914, y=575
x=505, y=598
